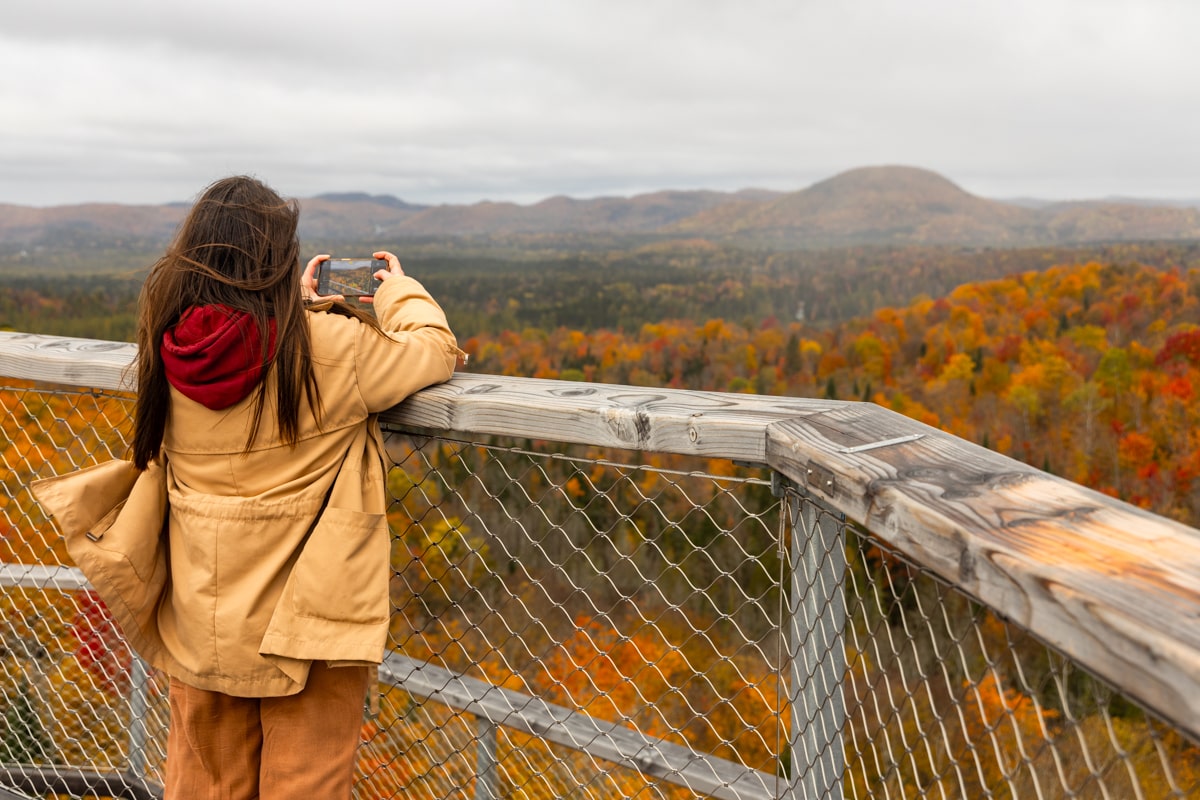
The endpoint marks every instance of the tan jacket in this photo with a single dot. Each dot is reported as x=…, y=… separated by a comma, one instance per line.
x=232, y=571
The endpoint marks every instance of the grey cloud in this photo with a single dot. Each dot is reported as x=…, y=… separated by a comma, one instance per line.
x=461, y=101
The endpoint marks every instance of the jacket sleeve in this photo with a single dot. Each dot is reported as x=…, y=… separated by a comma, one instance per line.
x=417, y=348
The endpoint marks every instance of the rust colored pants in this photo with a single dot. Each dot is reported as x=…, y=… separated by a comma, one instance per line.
x=239, y=748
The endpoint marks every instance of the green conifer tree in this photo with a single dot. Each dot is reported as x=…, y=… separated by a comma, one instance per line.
x=24, y=739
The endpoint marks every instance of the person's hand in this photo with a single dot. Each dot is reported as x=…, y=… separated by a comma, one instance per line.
x=394, y=270
x=308, y=281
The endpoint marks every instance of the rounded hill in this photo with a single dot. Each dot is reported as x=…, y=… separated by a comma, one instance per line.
x=891, y=204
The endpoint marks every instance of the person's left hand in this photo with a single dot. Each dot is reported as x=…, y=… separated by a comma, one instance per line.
x=308, y=282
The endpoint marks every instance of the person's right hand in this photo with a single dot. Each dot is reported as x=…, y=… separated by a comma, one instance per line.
x=394, y=270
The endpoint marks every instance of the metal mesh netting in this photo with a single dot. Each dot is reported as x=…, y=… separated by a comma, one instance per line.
x=568, y=625
x=79, y=711
x=679, y=603
x=645, y=597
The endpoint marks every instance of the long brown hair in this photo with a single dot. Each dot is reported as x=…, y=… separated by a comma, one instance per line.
x=237, y=246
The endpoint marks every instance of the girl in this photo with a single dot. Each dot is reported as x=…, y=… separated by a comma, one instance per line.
x=264, y=596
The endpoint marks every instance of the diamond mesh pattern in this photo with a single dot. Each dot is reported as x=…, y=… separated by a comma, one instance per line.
x=68, y=684
x=598, y=598
x=697, y=607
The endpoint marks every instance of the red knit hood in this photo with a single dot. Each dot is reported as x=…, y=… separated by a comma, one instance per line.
x=213, y=355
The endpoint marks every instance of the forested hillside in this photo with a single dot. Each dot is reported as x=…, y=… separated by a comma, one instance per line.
x=1087, y=370
x=610, y=285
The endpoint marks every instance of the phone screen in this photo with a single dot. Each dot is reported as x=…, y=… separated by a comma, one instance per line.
x=349, y=277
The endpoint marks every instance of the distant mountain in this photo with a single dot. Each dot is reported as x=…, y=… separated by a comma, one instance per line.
x=1187, y=202
x=104, y=221
x=890, y=205
x=906, y=205
x=1111, y=221
x=345, y=216
x=363, y=197
x=348, y=216
x=870, y=205
x=646, y=213
x=1040, y=202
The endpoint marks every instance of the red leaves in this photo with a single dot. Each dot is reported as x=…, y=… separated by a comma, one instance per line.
x=1184, y=346
x=102, y=650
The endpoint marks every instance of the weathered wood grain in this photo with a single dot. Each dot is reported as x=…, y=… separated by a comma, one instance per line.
x=709, y=424
x=1114, y=587
x=682, y=766
x=76, y=362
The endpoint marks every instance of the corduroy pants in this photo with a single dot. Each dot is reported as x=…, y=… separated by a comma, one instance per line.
x=241, y=748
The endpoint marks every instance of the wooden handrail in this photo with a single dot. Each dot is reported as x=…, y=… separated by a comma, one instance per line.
x=87, y=363
x=1110, y=585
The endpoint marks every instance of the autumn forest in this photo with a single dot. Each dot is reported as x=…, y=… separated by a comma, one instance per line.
x=1082, y=361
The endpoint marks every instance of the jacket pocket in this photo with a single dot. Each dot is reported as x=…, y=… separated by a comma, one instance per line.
x=342, y=571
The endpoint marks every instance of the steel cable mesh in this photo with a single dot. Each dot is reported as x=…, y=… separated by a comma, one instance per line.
x=556, y=574
x=942, y=698
x=68, y=684
x=635, y=595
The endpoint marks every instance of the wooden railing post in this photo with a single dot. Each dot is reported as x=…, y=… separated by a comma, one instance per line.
x=816, y=647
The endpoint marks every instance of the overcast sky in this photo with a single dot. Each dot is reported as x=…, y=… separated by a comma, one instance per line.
x=146, y=101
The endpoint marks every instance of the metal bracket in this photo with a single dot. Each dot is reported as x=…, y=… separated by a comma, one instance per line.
x=781, y=484
x=885, y=443
x=821, y=479
x=815, y=477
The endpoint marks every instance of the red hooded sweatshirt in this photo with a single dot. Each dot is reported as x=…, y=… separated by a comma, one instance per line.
x=213, y=355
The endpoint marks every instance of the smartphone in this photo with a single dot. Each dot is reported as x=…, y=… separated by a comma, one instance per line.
x=349, y=277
